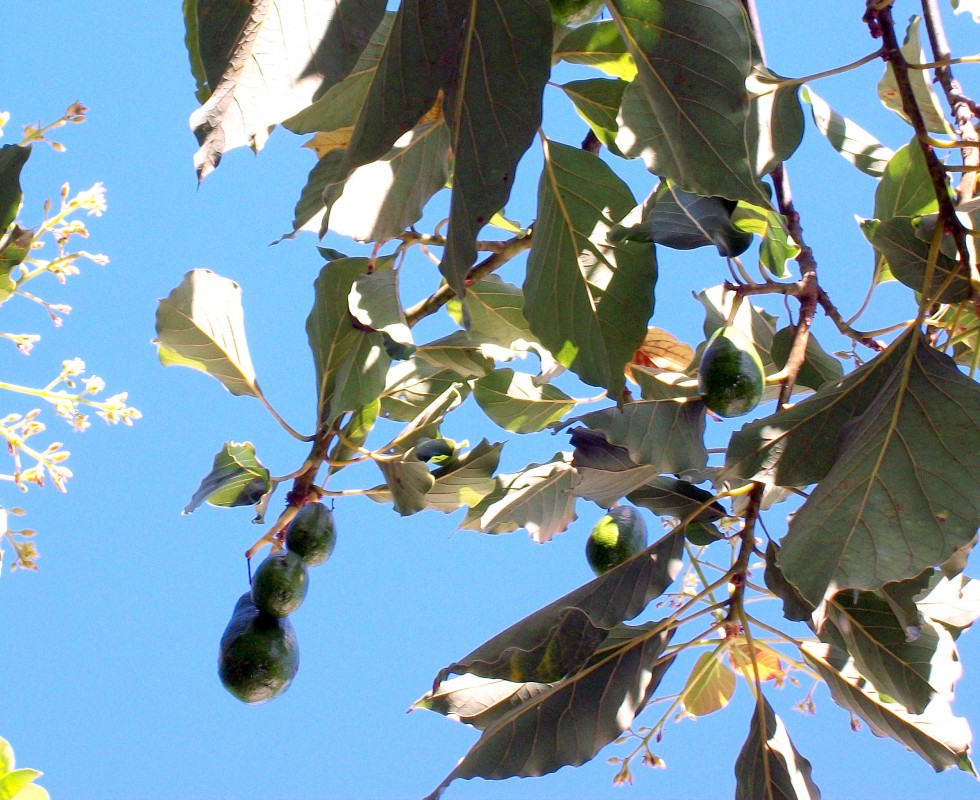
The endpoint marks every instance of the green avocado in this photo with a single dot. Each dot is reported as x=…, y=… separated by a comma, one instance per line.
x=312, y=534
x=280, y=583
x=731, y=377
x=617, y=537
x=575, y=12
x=437, y=450
x=259, y=656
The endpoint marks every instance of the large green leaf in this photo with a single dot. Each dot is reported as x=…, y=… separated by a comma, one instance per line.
x=795, y=608
x=617, y=595
x=777, y=246
x=599, y=45
x=899, y=241
x=12, y=160
x=491, y=61
x=848, y=138
x=818, y=368
x=690, y=113
x=375, y=303
x=516, y=403
x=587, y=300
x=905, y=189
x=940, y=738
x=477, y=701
x=249, y=55
x=571, y=721
x=597, y=101
x=412, y=385
x=408, y=480
x=463, y=353
x=237, y=478
x=201, y=325
x=769, y=766
x=921, y=80
x=910, y=671
x=672, y=497
x=351, y=364
x=465, y=480
x=666, y=434
x=537, y=498
x=380, y=200
x=900, y=495
x=496, y=312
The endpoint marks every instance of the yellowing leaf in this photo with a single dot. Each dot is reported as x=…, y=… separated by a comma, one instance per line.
x=709, y=687
x=662, y=350
x=325, y=142
x=768, y=664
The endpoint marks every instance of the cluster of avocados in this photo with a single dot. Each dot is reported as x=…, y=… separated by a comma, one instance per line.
x=259, y=655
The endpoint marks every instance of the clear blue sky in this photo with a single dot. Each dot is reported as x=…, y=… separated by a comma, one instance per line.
x=108, y=654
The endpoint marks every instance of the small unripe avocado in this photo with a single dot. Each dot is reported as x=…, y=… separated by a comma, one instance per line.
x=258, y=656
x=437, y=450
x=575, y=12
x=279, y=584
x=617, y=537
x=312, y=534
x=731, y=377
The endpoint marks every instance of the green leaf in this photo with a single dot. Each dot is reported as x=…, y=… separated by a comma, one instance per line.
x=255, y=77
x=463, y=353
x=799, y=444
x=516, y=403
x=901, y=597
x=465, y=480
x=910, y=671
x=351, y=364
x=900, y=243
x=753, y=321
x=496, y=311
x=604, y=290
x=795, y=608
x=412, y=385
x=201, y=325
x=937, y=736
x=477, y=701
x=818, y=368
x=355, y=432
x=13, y=784
x=684, y=221
x=665, y=434
x=408, y=480
x=597, y=101
x=491, y=61
x=689, y=113
x=769, y=765
x=14, y=248
x=378, y=201
x=905, y=189
x=237, y=478
x=777, y=246
x=599, y=45
x=12, y=160
x=537, y=498
x=672, y=497
x=202, y=92
x=921, y=80
x=33, y=792
x=709, y=687
x=571, y=721
x=848, y=138
x=374, y=302
x=899, y=496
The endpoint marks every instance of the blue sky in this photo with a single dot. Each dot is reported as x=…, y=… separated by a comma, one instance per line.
x=108, y=654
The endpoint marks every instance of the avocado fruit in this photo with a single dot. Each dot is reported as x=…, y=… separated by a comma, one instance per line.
x=617, y=537
x=312, y=534
x=259, y=655
x=280, y=583
x=731, y=377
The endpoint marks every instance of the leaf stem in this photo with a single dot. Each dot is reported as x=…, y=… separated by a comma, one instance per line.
x=831, y=72
x=286, y=426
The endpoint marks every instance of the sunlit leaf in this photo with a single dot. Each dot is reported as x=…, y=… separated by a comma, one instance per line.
x=954, y=602
x=496, y=312
x=7, y=759
x=463, y=353
x=921, y=80
x=777, y=246
x=597, y=101
x=477, y=701
x=374, y=302
x=604, y=291
x=818, y=368
x=354, y=433
x=937, y=736
x=570, y=722
x=599, y=45
x=709, y=687
x=899, y=496
x=465, y=480
x=537, y=498
x=237, y=478
x=14, y=784
x=408, y=480
x=351, y=364
x=848, y=138
x=905, y=189
x=201, y=325
x=412, y=385
x=250, y=57
x=769, y=766
x=514, y=402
